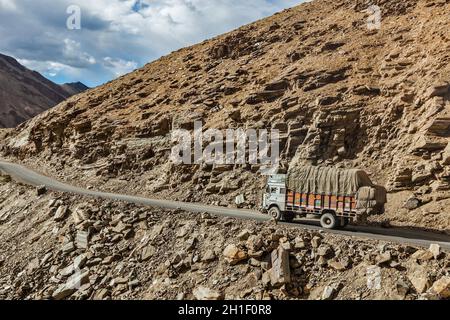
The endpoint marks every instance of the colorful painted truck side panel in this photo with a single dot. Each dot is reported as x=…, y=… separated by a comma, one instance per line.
x=312, y=202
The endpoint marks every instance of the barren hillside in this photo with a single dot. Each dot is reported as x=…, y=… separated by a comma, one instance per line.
x=341, y=95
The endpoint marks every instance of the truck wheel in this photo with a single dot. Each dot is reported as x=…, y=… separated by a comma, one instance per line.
x=275, y=213
x=328, y=221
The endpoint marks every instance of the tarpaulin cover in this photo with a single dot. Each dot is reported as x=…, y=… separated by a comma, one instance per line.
x=327, y=180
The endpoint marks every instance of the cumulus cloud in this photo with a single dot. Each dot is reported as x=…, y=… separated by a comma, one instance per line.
x=116, y=36
x=118, y=66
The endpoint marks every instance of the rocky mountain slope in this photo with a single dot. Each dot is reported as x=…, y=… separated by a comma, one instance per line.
x=341, y=95
x=57, y=246
x=74, y=88
x=25, y=93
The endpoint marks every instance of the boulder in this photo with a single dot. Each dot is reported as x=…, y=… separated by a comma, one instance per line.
x=422, y=255
x=234, y=255
x=71, y=286
x=419, y=279
x=280, y=273
x=441, y=287
x=412, y=203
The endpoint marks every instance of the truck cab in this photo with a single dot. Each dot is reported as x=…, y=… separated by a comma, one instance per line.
x=275, y=195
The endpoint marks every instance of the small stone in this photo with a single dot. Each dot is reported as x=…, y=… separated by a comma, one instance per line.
x=244, y=235
x=327, y=293
x=422, y=255
x=255, y=243
x=102, y=294
x=181, y=296
x=384, y=258
x=299, y=244
x=147, y=253
x=209, y=256
x=68, y=247
x=254, y=262
x=316, y=241
x=234, y=255
x=286, y=246
x=373, y=277
x=412, y=203
x=41, y=190
x=441, y=287
x=322, y=261
x=435, y=249
x=265, y=279
x=337, y=265
x=110, y=259
x=240, y=200
x=79, y=262
x=203, y=293
x=74, y=283
x=402, y=288
x=82, y=239
x=60, y=214
x=324, y=250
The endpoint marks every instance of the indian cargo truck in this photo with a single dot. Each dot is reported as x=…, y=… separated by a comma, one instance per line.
x=334, y=196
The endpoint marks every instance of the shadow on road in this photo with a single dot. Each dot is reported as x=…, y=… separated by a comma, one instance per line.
x=409, y=232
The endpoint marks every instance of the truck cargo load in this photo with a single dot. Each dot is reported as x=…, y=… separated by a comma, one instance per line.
x=327, y=180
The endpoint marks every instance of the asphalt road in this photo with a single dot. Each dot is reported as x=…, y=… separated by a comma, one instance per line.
x=408, y=236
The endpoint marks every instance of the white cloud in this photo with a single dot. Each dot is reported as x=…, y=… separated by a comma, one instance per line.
x=118, y=66
x=117, y=36
x=73, y=53
x=7, y=5
x=49, y=68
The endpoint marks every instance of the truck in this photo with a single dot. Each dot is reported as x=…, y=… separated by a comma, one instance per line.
x=334, y=196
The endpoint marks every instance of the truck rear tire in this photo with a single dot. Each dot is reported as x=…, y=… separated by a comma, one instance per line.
x=328, y=221
x=275, y=213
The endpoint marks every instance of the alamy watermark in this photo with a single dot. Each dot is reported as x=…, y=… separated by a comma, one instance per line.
x=73, y=22
x=235, y=146
x=374, y=19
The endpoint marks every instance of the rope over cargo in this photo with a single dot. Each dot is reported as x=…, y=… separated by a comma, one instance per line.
x=327, y=180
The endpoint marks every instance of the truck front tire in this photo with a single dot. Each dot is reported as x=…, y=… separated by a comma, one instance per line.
x=328, y=221
x=275, y=213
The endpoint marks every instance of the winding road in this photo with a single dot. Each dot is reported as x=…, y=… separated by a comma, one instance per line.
x=398, y=235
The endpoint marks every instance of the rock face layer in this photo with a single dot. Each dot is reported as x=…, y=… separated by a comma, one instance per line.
x=25, y=93
x=340, y=93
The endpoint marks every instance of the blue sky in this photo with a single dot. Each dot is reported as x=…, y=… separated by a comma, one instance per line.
x=116, y=36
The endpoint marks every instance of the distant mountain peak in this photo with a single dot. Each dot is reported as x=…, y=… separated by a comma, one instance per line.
x=25, y=93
